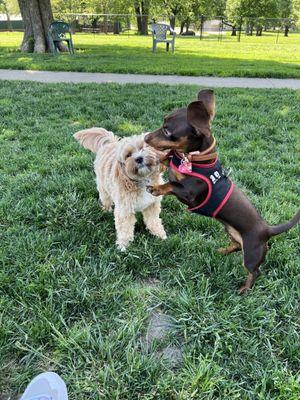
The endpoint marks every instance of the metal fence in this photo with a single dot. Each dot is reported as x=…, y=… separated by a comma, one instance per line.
x=101, y=23
x=218, y=28
x=15, y=25
x=222, y=28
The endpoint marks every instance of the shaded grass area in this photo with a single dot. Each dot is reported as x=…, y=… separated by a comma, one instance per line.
x=71, y=303
x=252, y=57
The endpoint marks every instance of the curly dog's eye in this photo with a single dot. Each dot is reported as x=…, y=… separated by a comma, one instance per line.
x=128, y=155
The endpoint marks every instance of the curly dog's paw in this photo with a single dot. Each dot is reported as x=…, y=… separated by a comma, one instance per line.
x=106, y=207
x=162, y=235
x=122, y=246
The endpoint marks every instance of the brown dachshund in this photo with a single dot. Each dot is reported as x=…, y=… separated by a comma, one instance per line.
x=197, y=179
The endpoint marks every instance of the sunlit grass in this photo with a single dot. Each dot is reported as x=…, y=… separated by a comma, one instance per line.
x=253, y=56
x=70, y=302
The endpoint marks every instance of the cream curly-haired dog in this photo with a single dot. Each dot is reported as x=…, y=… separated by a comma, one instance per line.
x=124, y=168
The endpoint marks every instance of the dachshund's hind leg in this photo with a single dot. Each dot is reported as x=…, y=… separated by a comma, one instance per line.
x=233, y=246
x=254, y=255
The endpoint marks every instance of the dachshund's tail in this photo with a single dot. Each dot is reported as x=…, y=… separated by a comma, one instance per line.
x=277, y=229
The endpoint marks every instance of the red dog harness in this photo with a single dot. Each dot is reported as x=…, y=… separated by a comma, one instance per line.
x=220, y=187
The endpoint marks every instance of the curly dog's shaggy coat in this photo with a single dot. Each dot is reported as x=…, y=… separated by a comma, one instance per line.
x=124, y=167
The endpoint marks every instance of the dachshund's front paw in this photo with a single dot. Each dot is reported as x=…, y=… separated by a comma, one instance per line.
x=154, y=190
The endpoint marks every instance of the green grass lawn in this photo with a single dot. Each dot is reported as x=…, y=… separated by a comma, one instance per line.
x=252, y=57
x=71, y=303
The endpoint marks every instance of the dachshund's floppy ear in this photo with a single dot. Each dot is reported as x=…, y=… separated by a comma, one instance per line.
x=200, y=113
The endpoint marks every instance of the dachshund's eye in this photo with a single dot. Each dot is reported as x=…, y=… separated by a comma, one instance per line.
x=194, y=132
x=166, y=132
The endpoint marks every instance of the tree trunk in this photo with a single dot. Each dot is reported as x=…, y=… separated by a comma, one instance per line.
x=9, y=24
x=37, y=16
x=172, y=21
x=249, y=29
x=117, y=27
x=27, y=43
x=259, y=30
x=144, y=26
x=182, y=24
x=187, y=25
x=47, y=17
x=286, y=30
x=138, y=16
x=105, y=25
x=37, y=26
x=141, y=11
x=233, y=27
x=145, y=12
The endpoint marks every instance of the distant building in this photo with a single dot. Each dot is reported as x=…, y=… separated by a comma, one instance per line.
x=12, y=17
x=213, y=26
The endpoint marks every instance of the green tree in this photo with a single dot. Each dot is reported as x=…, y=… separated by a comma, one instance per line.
x=4, y=9
x=254, y=13
x=172, y=9
x=289, y=10
x=9, y=7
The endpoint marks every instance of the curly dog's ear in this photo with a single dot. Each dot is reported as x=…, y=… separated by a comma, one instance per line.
x=122, y=178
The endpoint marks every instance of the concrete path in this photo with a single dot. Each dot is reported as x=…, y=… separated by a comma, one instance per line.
x=85, y=77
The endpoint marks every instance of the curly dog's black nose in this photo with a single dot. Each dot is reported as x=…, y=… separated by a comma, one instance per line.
x=139, y=160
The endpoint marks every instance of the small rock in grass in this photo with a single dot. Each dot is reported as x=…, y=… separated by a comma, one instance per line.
x=171, y=354
x=159, y=327
x=150, y=282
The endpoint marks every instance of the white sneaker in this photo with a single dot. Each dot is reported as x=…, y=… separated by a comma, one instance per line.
x=46, y=386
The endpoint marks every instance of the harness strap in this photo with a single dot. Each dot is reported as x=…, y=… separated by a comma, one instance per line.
x=220, y=187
